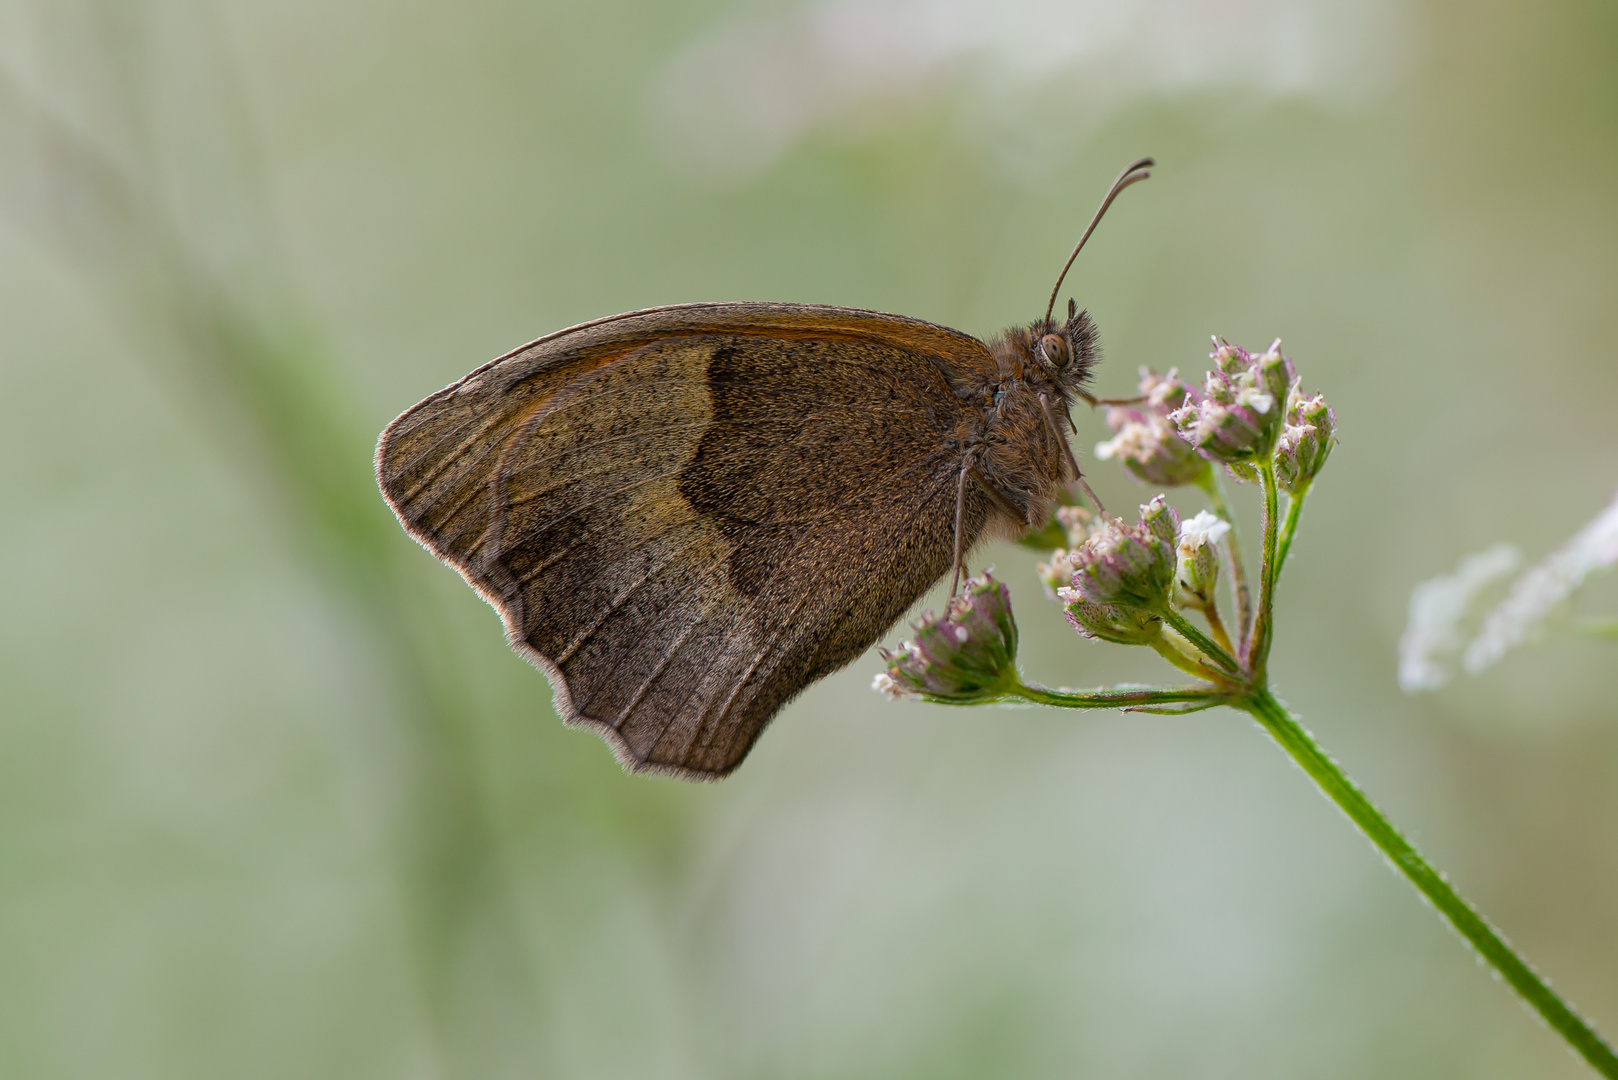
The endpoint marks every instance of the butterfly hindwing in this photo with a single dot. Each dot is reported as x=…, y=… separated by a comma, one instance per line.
x=687, y=515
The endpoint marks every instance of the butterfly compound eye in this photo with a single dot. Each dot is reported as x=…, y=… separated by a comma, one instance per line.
x=1054, y=346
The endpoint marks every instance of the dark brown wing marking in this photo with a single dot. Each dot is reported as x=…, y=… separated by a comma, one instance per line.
x=686, y=529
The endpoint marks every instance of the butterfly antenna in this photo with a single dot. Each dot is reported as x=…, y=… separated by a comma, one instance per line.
x=1135, y=173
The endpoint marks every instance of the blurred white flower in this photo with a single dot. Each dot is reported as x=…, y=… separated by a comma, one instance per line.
x=732, y=101
x=1443, y=611
x=1543, y=589
x=1440, y=610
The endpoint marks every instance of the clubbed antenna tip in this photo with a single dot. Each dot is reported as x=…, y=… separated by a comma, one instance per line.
x=1136, y=172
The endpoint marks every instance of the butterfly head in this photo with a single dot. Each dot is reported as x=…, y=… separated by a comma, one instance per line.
x=1065, y=353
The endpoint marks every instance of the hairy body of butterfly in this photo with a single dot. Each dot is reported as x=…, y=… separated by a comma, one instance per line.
x=686, y=515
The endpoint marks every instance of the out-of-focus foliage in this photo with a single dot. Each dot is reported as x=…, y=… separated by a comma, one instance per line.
x=275, y=799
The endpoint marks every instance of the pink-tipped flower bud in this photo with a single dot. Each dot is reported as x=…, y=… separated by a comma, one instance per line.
x=1239, y=416
x=967, y=655
x=1230, y=359
x=1077, y=522
x=1057, y=574
x=1144, y=440
x=1275, y=372
x=1161, y=518
x=1164, y=393
x=1306, y=440
x=1129, y=566
x=1109, y=622
x=1151, y=448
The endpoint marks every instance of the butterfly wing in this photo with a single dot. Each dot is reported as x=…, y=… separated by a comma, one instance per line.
x=686, y=515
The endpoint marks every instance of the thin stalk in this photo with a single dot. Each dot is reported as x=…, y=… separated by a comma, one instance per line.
x=1326, y=774
x=1196, y=637
x=1169, y=710
x=1215, y=491
x=1113, y=699
x=1178, y=651
x=1289, y=527
x=1216, y=627
x=1258, y=646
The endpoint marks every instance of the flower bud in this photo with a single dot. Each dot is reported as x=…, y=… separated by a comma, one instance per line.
x=1198, y=567
x=967, y=655
x=1077, y=522
x=1161, y=518
x=1069, y=527
x=1230, y=359
x=1143, y=439
x=1220, y=429
x=1151, y=449
x=1057, y=574
x=1164, y=393
x=1306, y=440
x=1109, y=622
x=1276, y=372
x=1239, y=415
x=1130, y=566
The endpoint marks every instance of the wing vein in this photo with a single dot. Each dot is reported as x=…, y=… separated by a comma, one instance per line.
x=579, y=641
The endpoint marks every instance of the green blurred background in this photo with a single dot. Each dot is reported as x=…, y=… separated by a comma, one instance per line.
x=276, y=799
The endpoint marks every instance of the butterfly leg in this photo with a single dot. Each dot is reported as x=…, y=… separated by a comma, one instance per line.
x=1056, y=430
x=1092, y=497
x=1073, y=462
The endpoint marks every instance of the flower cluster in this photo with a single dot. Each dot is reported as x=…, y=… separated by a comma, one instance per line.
x=967, y=655
x=1306, y=440
x=1123, y=577
x=1238, y=416
x=1146, y=442
x=1135, y=584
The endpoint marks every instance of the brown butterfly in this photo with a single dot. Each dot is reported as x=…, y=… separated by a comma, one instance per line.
x=686, y=515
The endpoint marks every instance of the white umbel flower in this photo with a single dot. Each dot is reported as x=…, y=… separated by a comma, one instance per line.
x=1543, y=589
x=1440, y=610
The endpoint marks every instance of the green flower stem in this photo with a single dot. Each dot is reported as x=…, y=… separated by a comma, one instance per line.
x=1177, y=651
x=1114, y=699
x=1298, y=743
x=1258, y=646
x=1289, y=527
x=1215, y=491
x=1201, y=641
x=1184, y=709
x=1216, y=626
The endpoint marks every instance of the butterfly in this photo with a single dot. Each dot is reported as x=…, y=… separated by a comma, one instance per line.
x=685, y=515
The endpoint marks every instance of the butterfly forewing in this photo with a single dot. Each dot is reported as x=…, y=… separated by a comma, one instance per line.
x=687, y=515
